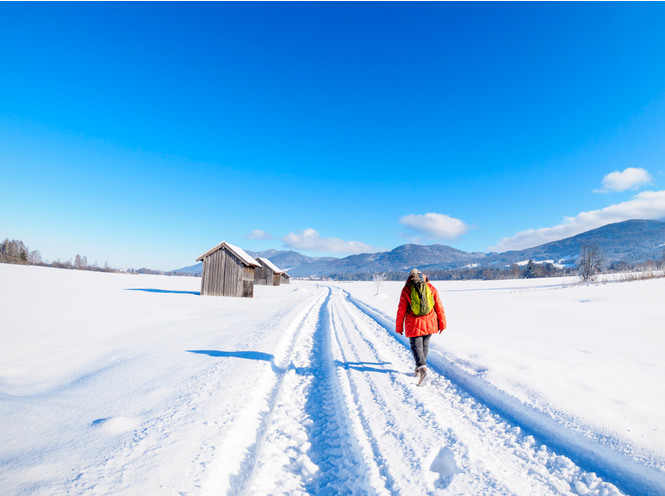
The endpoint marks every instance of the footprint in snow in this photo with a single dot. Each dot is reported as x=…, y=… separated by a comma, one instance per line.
x=443, y=468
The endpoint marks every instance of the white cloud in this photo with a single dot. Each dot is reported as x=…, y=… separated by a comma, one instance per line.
x=259, y=234
x=630, y=178
x=645, y=205
x=434, y=226
x=309, y=239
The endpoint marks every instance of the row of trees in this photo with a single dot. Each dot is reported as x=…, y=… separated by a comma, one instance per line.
x=488, y=273
x=14, y=251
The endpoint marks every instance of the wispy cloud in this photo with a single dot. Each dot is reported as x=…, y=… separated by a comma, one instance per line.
x=309, y=239
x=434, y=226
x=645, y=205
x=259, y=234
x=629, y=178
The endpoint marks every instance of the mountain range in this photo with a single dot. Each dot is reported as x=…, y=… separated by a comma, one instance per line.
x=629, y=241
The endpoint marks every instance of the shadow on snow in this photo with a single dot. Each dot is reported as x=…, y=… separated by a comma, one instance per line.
x=171, y=291
x=267, y=357
x=363, y=367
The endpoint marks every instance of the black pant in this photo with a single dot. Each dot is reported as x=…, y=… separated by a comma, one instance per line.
x=419, y=348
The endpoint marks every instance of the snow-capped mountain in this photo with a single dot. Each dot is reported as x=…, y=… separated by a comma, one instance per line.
x=628, y=241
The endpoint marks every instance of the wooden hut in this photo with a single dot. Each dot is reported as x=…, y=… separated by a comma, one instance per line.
x=227, y=271
x=268, y=274
x=286, y=279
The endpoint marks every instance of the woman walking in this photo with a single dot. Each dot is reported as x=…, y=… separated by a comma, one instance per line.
x=419, y=315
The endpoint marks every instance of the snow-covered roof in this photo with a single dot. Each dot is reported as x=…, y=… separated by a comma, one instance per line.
x=238, y=252
x=270, y=265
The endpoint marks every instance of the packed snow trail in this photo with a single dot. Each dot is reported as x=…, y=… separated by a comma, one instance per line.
x=344, y=417
x=440, y=438
x=301, y=445
x=330, y=407
x=304, y=389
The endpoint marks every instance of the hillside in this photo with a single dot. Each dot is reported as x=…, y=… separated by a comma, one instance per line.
x=628, y=241
x=401, y=258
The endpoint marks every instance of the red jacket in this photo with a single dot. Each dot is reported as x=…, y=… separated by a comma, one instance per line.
x=433, y=322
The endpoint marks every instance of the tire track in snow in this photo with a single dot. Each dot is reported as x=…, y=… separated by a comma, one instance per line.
x=486, y=455
x=143, y=451
x=614, y=467
x=418, y=451
x=303, y=444
x=232, y=471
x=337, y=422
x=368, y=408
x=342, y=468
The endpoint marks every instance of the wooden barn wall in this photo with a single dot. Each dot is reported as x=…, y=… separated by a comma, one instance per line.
x=225, y=275
x=262, y=275
x=248, y=282
x=286, y=280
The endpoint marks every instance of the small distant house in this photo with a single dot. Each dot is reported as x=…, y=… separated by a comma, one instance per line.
x=268, y=274
x=286, y=279
x=227, y=271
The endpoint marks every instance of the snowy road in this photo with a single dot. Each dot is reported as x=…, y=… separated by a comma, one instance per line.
x=343, y=416
x=122, y=384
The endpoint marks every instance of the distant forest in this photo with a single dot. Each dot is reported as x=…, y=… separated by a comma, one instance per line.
x=15, y=252
x=530, y=270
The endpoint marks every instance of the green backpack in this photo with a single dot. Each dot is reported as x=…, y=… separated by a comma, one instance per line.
x=422, y=301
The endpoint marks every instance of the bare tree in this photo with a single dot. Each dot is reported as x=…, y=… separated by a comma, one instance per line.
x=35, y=258
x=81, y=262
x=588, y=264
x=378, y=278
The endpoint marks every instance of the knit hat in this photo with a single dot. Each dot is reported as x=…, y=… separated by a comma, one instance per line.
x=415, y=275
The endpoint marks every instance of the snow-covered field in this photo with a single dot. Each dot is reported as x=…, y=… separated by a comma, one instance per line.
x=135, y=384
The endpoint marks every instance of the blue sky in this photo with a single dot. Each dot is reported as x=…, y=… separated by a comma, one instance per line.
x=142, y=134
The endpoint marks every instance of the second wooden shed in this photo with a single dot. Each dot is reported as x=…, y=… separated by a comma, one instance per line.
x=268, y=274
x=227, y=271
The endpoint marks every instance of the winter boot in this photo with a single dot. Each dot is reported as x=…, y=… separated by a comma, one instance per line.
x=422, y=373
x=415, y=373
